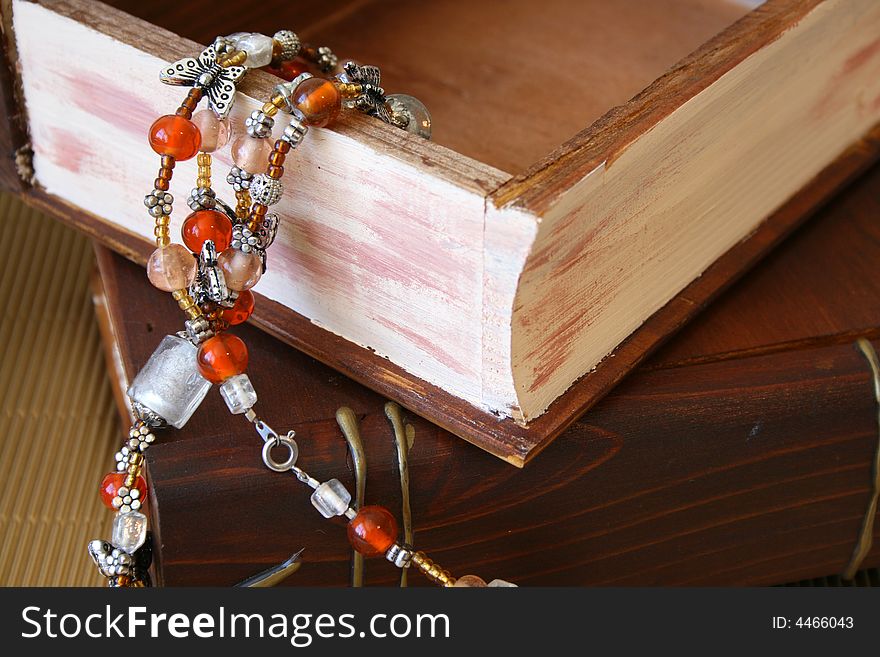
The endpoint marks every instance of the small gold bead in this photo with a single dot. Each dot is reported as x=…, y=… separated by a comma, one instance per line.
x=130, y=480
x=163, y=220
x=204, y=159
x=234, y=59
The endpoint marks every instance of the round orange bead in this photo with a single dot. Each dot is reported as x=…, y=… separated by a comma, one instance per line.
x=204, y=225
x=289, y=69
x=176, y=136
x=318, y=100
x=372, y=531
x=243, y=308
x=222, y=357
x=111, y=484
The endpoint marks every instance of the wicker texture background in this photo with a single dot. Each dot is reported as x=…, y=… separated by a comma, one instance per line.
x=58, y=422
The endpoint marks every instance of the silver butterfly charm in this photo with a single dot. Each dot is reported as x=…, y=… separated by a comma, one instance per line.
x=217, y=82
x=372, y=98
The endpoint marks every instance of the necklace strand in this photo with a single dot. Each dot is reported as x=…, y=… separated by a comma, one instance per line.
x=222, y=257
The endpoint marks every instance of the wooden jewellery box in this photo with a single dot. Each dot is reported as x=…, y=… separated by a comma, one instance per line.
x=600, y=170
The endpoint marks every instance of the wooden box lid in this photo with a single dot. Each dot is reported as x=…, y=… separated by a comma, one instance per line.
x=739, y=454
x=483, y=285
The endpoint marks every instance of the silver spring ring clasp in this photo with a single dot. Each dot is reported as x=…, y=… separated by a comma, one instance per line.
x=289, y=462
x=271, y=440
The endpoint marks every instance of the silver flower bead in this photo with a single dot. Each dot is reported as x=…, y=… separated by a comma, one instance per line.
x=294, y=132
x=243, y=239
x=158, y=203
x=326, y=59
x=259, y=124
x=140, y=437
x=239, y=179
x=202, y=198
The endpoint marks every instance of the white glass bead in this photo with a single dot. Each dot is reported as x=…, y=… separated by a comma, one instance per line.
x=417, y=115
x=331, y=498
x=238, y=393
x=129, y=531
x=500, y=583
x=258, y=48
x=170, y=384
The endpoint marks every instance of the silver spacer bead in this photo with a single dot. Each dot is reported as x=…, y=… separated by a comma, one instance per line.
x=294, y=132
x=266, y=190
x=243, y=239
x=202, y=198
x=239, y=179
x=290, y=44
x=224, y=45
x=198, y=330
x=268, y=230
x=400, y=555
x=158, y=203
x=140, y=437
x=326, y=60
x=259, y=124
x=150, y=417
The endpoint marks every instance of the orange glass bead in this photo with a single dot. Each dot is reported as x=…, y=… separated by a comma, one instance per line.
x=318, y=100
x=372, y=531
x=171, y=267
x=176, y=136
x=240, y=270
x=243, y=308
x=222, y=357
x=111, y=484
x=289, y=69
x=251, y=154
x=204, y=225
x=470, y=581
x=215, y=132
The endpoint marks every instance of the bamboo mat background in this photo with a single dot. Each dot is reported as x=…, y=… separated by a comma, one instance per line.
x=59, y=426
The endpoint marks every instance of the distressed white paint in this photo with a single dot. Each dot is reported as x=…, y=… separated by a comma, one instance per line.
x=685, y=192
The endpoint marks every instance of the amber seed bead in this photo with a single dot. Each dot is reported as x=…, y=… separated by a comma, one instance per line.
x=222, y=357
x=176, y=136
x=203, y=225
x=161, y=183
x=318, y=100
x=275, y=171
x=241, y=310
x=372, y=531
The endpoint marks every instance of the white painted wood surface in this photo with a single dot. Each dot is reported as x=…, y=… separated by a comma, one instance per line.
x=623, y=241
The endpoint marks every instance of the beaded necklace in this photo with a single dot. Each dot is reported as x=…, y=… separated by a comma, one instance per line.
x=222, y=258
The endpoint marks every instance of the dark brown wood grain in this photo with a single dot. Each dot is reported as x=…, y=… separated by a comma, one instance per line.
x=743, y=459
x=13, y=129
